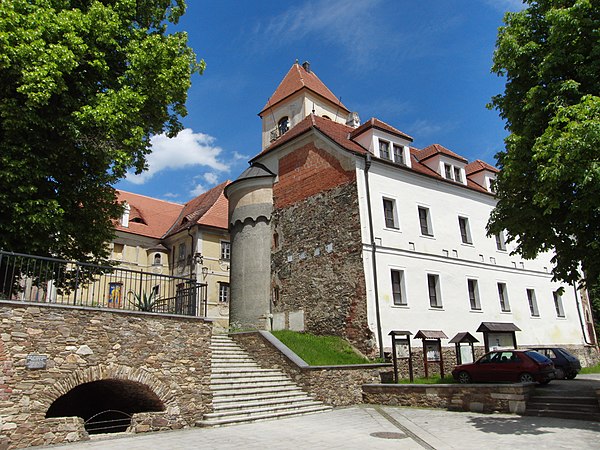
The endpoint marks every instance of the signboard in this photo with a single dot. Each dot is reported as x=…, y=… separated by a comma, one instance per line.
x=114, y=295
x=402, y=351
x=433, y=351
x=36, y=361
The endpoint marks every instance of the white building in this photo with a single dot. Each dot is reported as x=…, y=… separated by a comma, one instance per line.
x=370, y=235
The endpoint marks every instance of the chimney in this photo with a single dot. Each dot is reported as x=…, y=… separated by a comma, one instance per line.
x=306, y=66
x=125, y=216
x=353, y=120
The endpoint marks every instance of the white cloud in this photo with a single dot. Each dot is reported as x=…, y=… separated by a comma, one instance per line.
x=170, y=195
x=199, y=189
x=507, y=5
x=185, y=150
x=211, y=177
x=238, y=156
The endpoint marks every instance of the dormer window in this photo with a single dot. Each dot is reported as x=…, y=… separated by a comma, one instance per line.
x=283, y=125
x=448, y=171
x=384, y=149
x=457, y=176
x=399, y=154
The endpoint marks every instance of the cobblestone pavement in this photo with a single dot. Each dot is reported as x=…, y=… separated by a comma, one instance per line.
x=370, y=427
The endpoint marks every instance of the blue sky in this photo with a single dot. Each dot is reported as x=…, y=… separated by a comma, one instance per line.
x=423, y=67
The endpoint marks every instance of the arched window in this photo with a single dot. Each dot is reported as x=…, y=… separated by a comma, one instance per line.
x=326, y=117
x=283, y=125
x=157, y=259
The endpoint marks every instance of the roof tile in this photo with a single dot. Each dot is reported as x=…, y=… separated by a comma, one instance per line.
x=155, y=216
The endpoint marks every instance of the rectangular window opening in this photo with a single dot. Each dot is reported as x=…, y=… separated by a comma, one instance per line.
x=473, y=294
x=533, y=307
x=223, y=292
x=448, y=171
x=465, y=232
x=425, y=221
x=558, y=304
x=398, y=154
x=384, y=149
x=398, y=287
x=457, y=175
x=390, y=214
x=225, y=250
x=500, y=241
x=503, y=297
x=433, y=285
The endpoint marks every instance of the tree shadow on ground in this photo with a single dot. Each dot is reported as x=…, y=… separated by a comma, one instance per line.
x=529, y=425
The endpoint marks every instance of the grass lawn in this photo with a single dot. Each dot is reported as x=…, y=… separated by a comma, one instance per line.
x=433, y=380
x=591, y=369
x=320, y=350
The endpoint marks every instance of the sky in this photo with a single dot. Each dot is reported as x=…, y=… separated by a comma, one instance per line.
x=423, y=67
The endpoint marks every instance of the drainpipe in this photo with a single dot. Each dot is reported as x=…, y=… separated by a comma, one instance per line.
x=373, y=254
x=581, y=322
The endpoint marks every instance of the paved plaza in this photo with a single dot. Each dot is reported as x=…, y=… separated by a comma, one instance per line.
x=370, y=427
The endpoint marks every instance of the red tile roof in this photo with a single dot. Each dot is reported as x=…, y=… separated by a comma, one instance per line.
x=479, y=165
x=148, y=216
x=297, y=79
x=376, y=123
x=436, y=149
x=209, y=209
x=340, y=133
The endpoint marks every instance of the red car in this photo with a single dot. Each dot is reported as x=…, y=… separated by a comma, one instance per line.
x=507, y=365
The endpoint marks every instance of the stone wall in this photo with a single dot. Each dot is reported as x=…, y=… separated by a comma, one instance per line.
x=168, y=354
x=488, y=398
x=317, y=267
x=333, y=385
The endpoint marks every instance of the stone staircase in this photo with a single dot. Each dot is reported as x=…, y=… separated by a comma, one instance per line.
x=245, y=392
x=572, y=399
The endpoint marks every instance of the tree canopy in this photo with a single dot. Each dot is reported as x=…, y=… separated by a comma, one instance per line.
x=84, y=84
x=549, y=186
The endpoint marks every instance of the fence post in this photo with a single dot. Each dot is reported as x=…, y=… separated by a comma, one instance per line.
x=76, y=283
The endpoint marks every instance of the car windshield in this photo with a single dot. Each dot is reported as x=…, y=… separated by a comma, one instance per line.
x=537, y=357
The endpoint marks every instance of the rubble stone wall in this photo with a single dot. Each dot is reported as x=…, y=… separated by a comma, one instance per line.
x=169, y=354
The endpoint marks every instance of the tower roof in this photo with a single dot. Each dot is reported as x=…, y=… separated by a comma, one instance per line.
x=301, y=77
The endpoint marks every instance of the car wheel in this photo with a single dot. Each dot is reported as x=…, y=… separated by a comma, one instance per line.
x=526, y=378
x=571, y=375
x=464, y=378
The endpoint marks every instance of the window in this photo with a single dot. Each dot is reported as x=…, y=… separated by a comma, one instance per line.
x=425, y=221
x=500, y=241
x=283, y=125
x=433, y=285
x=465, y=232
x=398, y=154
x=533, y=307
x=473, y=294
x=389, y=212
x=225, y=250
x=448, y=171
x=117, y=252
x=157, y=259
x=398, y=287
x=181, y=251
x=558, y=304
x=223, y=292
x=384, y=149
x=457, y=176
x=503, y=296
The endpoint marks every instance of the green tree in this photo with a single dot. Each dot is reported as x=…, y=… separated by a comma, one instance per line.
x=549, y=185
x=84, y=84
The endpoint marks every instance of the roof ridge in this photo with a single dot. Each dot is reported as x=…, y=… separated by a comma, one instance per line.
x=148, y=197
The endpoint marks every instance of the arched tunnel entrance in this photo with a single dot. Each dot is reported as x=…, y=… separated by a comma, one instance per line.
x=106, y=406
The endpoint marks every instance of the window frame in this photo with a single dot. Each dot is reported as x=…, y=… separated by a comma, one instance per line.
x=425, y=225
x=398, y=288
x=558, y=305
x=394, y=213
x=448, y=171
x=473, y=292
x=434, y=291
x=457, y=174
x=503, y=297
x=224, y=292
x=384, y=144
x=465, y=230
x=225, y=253
x=500, y=241
x=284, y=120
x=398, y=154
x=532, y=302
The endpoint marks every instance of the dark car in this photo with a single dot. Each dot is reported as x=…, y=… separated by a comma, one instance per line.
x=566, y=365
x=507, y=365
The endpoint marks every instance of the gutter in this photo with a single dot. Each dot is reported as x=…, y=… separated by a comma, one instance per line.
x=373, y=254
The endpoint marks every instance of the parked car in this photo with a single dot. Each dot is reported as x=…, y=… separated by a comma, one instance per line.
x=566, y=365
x=507, y=365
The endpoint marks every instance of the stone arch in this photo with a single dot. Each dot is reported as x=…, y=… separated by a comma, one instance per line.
x=166, y=394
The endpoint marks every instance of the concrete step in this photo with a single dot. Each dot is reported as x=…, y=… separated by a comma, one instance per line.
x=261, y=403
x=247, y=378
x=563, y=400
x=245, y=412
x=234, y=371
x=274, y=385
x=253, y=390
x=540, y=405
x=261, y=416
x=264, y=396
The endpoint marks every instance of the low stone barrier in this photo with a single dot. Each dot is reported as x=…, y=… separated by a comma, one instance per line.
x=333, y=385
x=484, y=398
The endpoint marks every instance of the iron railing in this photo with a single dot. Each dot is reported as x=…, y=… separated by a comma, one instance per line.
x=49, y=280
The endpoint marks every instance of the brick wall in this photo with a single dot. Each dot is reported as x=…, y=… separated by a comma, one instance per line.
x=170, y=355
x=307, y=171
